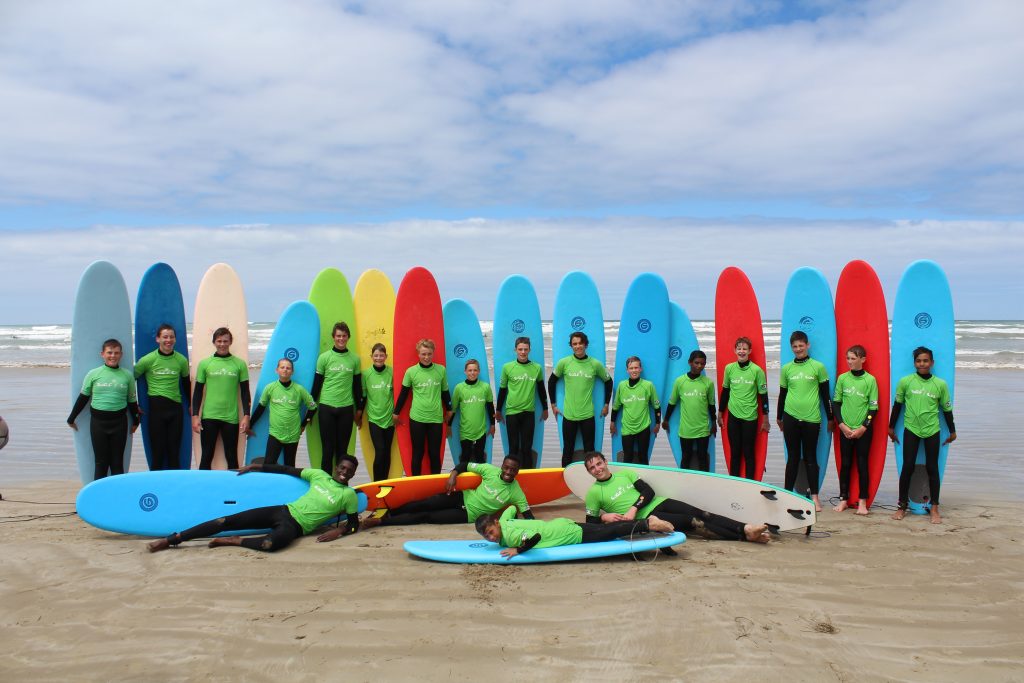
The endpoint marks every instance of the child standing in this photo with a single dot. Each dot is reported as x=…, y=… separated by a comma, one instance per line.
x=431, y=403
x=167, y=382
x=338, y=392
x=635, y=397
x=581, y=373
x=474, y=403
x=377, y=395
x=520, y=388
x=695, y=394
x=744, y=388
x=284, y=399
x=855, y=405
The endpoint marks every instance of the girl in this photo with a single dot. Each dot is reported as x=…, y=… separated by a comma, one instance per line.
x=337, y=390
x=431, y=403
x=854, y=405
x=284, y=399
x=522, y=384
x=695, y=394
x=744, y=388
x=377, y=393
x=222, y=380
x=164, y=370
x=475, y=405
x=635, y=397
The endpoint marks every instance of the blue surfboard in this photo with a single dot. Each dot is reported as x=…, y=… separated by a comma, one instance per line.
x=682, y=342
x=102, y=311
x=296, y=337
x=463, y=340
x=517, y=314
x=485, y=552
x=578, y=309
x=643, y=332
x=808, y=307
x=161, y=503
x=923, y=316
x=159, y=302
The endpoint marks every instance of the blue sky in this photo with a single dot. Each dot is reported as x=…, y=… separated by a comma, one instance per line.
x=481, y=139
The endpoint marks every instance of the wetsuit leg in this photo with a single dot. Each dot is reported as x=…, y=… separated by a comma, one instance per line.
x=520, y=428
x=569, y=431
x=931, y=460
x=108, y=431
x=165, y=423
x=846, y=447
x=692, y=520
x=208, y=442
x=435, y=435
x=911, y=443
x=439, y=509
x=273, y=452
x=742, y=436
x=418, y=434
x=703, y=456
x=327, y=420
x=290, y=450
x=345, y=426
x=588, y=429
x=229, y=435
x=474, y=451
x=596, y=533
x=863, y=449
x=381, y=438
x=801, y=444
x=687, y=454
x=283, y=528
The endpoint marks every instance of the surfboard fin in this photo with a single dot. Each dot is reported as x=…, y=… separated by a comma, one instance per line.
x=384, y=491
x=769, y=494
x=799, y=514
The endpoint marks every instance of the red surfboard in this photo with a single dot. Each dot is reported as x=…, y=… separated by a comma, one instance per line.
x=539, y=486
x=861, y=318
x=738, y=315
x=417, y=316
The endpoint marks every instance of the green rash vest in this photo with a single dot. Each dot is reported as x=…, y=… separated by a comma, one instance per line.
x=801, y=381
x=470, y=400
x=163, y=373
x=338, y=369
x=857, y=396
x=492, y=494
x=284, y=403
x=427, y=385
x=380, y=398
x=744, y=385
x=694, y=397
x=579, y=377
x=635, y=403
x=616, y=494
x=557, y=532
x=521, y=381
x=924, y=398
x=221, y=375
x=325, y=499
x=109, y=388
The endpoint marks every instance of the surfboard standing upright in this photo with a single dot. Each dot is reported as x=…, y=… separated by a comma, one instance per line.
x=102, y=312
x=682, y=342
x=923, y=316
x=463, y=340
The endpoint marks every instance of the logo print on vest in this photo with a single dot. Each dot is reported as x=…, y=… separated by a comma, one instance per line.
x=148, y=502
x=518, y=326
x=923, y=320
x=291, y=353
x=807, y=323
x=643, y=325
x=461, y=350
x=674, y=353
x=578, y=322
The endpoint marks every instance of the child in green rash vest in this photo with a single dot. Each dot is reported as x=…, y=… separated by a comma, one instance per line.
x=581, y=372
x=925, y=397
x=285, y=399
x=222, y=388
x=328, y=497
x=431, y=404
x=744, y=388
x=165, y=372
x=803, y=390
x=109, y=391
x=520, y=535
x=337, y=390
x=377, y=399
x=475, y=405
x=695, y=395
x=854, y=406
x=520, y=388
x=635, y=397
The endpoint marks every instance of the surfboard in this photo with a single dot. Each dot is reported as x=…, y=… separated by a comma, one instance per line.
x=682, y=342
x=861, y=318
x=578, y=309
x=517, y=314
x=102, y=311
x=485, y=552
x=375, y=318
x=539, y=486
x=807, y=306
x=644, y=333
x=162, y=503
x=738, y=315
x=159, y=302
x=463, y=340
x=417, y=316
x=220, y=302
x=923, y=316
x=745, y=500
x=332, y=299
x=297, y=338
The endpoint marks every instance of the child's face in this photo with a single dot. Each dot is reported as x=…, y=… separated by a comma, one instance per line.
x=923, y=363
x=743, y=352
x=426, y=354
x=579, y=349
x=492, y=533
x=379, y=357
x=800, y=348
x=523, y=352
x=633, y=369
x=222, y=344
x=284, y=370
x=111, y=355
x=165, y=340
x=697, y=365
x=854, y=361
x=341, y=339
x=472, y=372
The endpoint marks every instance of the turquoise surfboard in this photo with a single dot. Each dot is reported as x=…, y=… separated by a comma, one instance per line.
x=463, y=340
x=159, y=302
x=517, y=314
x=643, y=332
x=297, y=338
x=808, y=307
x=485, y=552
x=161, y=503
x=682, y=342
x=102, y=311
x=923, y=316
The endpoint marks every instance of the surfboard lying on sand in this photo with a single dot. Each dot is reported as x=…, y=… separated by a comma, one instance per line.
x=485, y=552
x=540, y=486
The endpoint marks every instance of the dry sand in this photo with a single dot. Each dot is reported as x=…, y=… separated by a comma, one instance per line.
x=860, y=600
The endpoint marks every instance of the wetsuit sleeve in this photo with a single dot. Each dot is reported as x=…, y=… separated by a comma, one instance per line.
x=825, y=398
x=502, y=395
x=246, y=396
x=896, y=408
x=948, y=414
x=646, y=493
x=352, y=525
x=529, y=543
x=402, y=396
x=256, y=414
x=657, y=415
x=272, y=468
x=614, y=413
x=79, y=406
x=711, y=413
x=186, y=393
x=446, y=400
x=764, y=404
x=594, y=520
x=133, y=411
x=668, y=411
x=318, y=384
x=552, y=383
x=490, y=412
x=197, y=398
x=837, y=409
x=357, y=391
x=608, y=386
x=541, y=395
x=723, y=400
x=461, y=468
x=783, y=391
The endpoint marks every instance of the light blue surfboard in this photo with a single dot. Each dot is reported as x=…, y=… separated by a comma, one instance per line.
x=923, y=316
x=578, y=309
x=102, y=311
x=808, y=307
x=517, y=314
x=682, y=342
x=643, y=332
x=161, y=503
x=159, y=302
x=485, y=552
x=296, y=337
x=463, y=340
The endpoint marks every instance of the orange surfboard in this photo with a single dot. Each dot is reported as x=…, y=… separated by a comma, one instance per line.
x=540, y=486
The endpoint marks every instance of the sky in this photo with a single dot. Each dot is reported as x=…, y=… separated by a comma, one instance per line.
x=481, y=139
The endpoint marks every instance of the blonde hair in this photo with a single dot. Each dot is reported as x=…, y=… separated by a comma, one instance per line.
x=429, y=343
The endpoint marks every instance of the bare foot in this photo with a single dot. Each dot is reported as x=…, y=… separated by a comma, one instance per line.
x=225, y=541
x=655, y=524
x=899, y=514
x=862, y=508
x=757, y=533
x=158, y=545
x=842, y=506
x=369, y=523
x=936, y=517
x=817, y=502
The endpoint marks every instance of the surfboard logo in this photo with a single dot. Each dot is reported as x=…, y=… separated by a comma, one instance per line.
x=923, y=320
x=674, y=353
x=807, y=323
x=149, y=502
x=518, y=326
x=478, y=545
x=461, y=350
x=291, y=353
x=643, y=326
x=578, y=322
